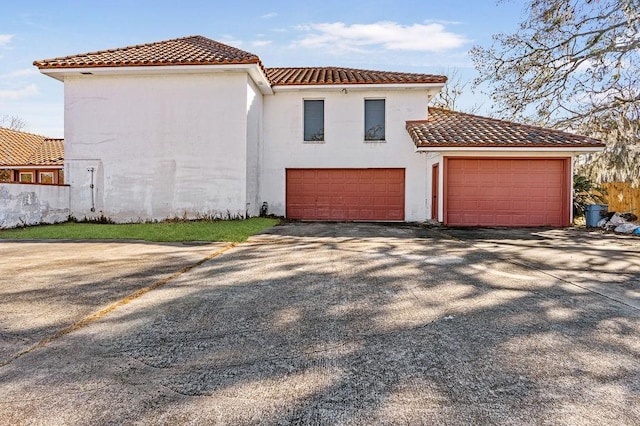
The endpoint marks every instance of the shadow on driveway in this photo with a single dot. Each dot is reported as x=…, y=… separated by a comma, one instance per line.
x=341, y=328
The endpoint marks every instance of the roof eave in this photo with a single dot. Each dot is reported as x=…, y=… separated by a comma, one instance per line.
x=357, y=86
x=31, y=166
x=549, y=148
x=253, y=69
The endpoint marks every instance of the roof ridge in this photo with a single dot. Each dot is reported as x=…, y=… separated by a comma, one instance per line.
x=23, y=133
x=119, y=49
x=336, y=67
x=189, y=50
x=448, y=128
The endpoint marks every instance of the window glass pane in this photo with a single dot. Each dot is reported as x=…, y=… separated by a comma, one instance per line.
x=26, y=177
x=314, y=120
x=46, y=177
x=374, y=120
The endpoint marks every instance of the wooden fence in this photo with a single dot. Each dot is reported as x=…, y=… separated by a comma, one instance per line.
x=622, y=197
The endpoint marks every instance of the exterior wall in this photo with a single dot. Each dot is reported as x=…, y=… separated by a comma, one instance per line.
x=433, y=159
x=157, y=146
x=254, y=145
x=32, y=204
x=344, y=145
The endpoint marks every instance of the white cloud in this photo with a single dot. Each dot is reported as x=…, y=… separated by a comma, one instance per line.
x=25, y=72
x=441, y=21
x=339, y=37
x=269, y=15
x=231, y=40
x=259, y=43
x=5, y=39
x=16, y=94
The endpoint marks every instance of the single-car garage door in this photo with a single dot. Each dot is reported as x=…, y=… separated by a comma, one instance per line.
x=345, y=194
x=507, y=192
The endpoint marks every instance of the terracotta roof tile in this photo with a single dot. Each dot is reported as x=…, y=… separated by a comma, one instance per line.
x=337, y=75
x=26, y=149
x=50, y=152
x=193, y=50
x=445, y=128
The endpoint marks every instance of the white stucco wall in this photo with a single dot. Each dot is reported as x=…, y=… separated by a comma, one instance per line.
x=254, y=146
x=344, y=145
x=434, y=158
x=162, y=145
x=32, y=204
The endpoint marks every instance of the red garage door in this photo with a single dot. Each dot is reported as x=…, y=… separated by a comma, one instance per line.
x=345, y=194
x=507, y=192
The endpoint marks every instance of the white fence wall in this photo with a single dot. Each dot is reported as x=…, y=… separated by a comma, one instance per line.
x=24, y=204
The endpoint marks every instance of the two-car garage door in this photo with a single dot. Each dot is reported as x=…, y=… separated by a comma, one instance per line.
x=507, y=192
x=345, y=194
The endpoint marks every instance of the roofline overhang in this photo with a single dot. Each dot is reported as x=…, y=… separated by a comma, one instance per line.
x=567, y=149
x=31, y=166
x=357, y=87
x=254, y=70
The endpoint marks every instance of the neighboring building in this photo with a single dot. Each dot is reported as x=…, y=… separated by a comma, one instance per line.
x=192, y=127
x=29, y=158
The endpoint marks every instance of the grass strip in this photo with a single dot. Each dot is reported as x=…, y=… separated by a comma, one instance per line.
x=218, y=231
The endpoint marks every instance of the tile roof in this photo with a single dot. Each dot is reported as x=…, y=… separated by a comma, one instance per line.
x=26, y=149
x=198, y=50
x=50, y=152
x=192, y=50
x=444, y=128
x=337, y=75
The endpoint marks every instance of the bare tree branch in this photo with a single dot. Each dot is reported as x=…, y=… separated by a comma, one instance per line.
x=12, y=122
x=575, y=65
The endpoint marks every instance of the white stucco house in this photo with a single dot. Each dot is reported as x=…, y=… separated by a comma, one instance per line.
x=192, y=127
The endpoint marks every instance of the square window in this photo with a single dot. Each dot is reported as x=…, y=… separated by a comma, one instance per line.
x=26, y=177
x=374, y=117
x=46, y=177
x=313, y=120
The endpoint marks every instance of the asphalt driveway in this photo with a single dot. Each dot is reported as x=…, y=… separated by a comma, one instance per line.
x=325, y=324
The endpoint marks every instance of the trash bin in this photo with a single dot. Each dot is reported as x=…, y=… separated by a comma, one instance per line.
x=594, y=212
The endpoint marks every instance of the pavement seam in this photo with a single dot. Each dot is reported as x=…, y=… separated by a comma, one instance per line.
x=113, y=306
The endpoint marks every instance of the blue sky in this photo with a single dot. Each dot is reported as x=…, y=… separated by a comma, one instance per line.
x=412, y=36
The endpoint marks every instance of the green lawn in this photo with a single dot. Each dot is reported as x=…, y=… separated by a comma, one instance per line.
x=223, y=230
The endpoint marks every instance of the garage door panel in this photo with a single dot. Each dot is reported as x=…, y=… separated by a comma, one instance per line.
x=505, y=192
x=345, y=194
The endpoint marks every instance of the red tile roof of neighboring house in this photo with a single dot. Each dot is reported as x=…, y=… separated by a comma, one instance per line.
x=444, y=128
x=50, y=152
x=337, y=75
x=193, y=50
x=26, y=149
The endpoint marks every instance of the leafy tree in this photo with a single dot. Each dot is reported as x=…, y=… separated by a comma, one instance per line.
x=586, y=192
x=574, y=65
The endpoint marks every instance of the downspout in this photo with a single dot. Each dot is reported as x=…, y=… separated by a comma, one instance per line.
x=93, y=203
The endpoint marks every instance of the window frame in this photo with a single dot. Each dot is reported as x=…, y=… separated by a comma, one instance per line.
x=30, y=173
x=47, y=172
x=384, y=121
x=304, y=121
